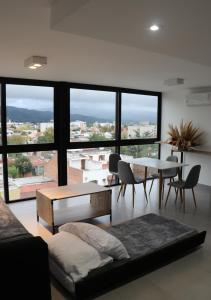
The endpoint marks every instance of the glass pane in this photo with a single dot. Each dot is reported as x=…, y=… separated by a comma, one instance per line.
x=1, y=179
x=30, y=117
x=0, y=117
x=139, y=116
x=92, y=115
x=30, y=171
x=88, y=165
x=137, y=151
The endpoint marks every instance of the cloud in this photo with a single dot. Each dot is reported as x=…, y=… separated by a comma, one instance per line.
x=30, y=97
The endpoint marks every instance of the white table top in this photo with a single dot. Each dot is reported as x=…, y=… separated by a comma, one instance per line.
x=156, y=163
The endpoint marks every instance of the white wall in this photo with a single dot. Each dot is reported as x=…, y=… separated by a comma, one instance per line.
x=174, y=110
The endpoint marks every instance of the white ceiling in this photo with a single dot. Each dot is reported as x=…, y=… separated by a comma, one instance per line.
x=185, y=24
x=103, y=42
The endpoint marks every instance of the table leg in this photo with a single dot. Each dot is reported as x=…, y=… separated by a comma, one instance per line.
x=53, y=225
x=145, y=177
x=160, y=187
x=53, y=229
x=38, y=218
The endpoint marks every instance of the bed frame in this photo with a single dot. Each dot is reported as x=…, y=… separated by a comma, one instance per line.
x=104, y=280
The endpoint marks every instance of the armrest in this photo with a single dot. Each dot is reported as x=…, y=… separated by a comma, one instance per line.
x=24, y=271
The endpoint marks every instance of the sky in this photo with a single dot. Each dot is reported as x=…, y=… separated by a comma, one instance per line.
x=85, y=102
x=102, y=104
x=30, y=97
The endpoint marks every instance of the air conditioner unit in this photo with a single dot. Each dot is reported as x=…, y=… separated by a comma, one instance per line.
x=198, y=99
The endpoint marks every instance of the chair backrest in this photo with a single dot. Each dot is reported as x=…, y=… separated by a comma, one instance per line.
x=171, y=172
x=125, y=173
x=193, y=177
x=114, y=158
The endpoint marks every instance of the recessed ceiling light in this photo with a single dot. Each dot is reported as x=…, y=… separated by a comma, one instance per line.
x=34, y=62
x=154, y=27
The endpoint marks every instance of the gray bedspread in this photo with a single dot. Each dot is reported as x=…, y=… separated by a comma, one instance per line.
x=10, y=227
x=149, y=233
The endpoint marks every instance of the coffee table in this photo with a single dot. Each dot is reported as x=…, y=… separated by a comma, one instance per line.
x=99, y=204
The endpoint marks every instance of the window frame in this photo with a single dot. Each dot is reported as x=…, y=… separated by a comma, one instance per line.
x=62, y=129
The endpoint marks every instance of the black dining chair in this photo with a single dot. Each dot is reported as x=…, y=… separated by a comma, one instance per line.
x=126, y=177
x=167, y=174
x=114, y=158
x=189, y=183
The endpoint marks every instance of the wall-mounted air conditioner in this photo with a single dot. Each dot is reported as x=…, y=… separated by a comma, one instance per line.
x=198, y=99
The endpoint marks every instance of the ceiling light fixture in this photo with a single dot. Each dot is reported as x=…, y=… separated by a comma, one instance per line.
x=154, y=27
x=34, y=62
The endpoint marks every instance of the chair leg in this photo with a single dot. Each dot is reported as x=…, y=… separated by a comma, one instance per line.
x=133, y=191
x=125, y=186
x=151, y=186
x=145, y=192
x=194, y=198
x=120, y=191
x=113, y=178
x=168, y=195
x=184, y=200
x=177, y=191
x=181, y=198
x=110, y=181
x=174, y=188
x=163, y=188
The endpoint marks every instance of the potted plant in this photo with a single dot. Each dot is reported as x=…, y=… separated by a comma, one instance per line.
x=184, y=136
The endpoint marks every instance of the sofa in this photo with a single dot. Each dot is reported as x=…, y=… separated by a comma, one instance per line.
x=24, y=269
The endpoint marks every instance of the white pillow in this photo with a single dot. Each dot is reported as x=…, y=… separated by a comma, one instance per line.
x=103, y=241
x=75, y=256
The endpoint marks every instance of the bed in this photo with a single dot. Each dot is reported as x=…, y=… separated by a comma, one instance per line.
x=152, y=241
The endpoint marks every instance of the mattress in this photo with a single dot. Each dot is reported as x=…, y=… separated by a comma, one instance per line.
x=150, y=232
x=141, y=236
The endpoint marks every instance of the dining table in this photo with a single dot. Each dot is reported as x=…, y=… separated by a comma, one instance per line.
x=160, y=165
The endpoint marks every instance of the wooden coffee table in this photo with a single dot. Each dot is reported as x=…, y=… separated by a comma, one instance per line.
x=99, y=204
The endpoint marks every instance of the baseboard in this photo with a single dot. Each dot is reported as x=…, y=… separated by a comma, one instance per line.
x=204, y=186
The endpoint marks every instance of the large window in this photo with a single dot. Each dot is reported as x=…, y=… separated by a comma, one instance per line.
x=139, y=116
x=30, y=171
x=0, y=119
x=59, y=133
x=30, y=117
x=1, y=179
x=136, y=151
x=92, y=115
x=88, y=165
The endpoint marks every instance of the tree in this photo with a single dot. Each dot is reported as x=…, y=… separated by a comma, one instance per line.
x=95, y=137
x=16, y=139
x=47, y=137
x=12, y=171
x=23, y=165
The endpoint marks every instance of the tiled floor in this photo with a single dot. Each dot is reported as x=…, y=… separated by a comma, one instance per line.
x=187, y=278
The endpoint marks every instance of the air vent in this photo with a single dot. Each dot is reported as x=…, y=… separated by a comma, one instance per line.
x=174, y=81
x=198, y=99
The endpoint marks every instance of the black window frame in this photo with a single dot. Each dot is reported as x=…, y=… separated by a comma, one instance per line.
x=62, y=125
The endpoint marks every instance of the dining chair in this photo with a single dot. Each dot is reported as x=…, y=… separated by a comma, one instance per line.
x=189, y=183
x=126, y=177
x=114, y=158
x=167, y=174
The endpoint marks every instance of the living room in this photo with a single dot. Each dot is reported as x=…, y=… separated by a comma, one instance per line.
x=81, y=80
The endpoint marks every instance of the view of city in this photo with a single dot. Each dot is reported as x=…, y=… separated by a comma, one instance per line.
x=92, y=118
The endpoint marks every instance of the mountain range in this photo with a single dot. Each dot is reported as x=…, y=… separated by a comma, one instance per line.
x=17, y=114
